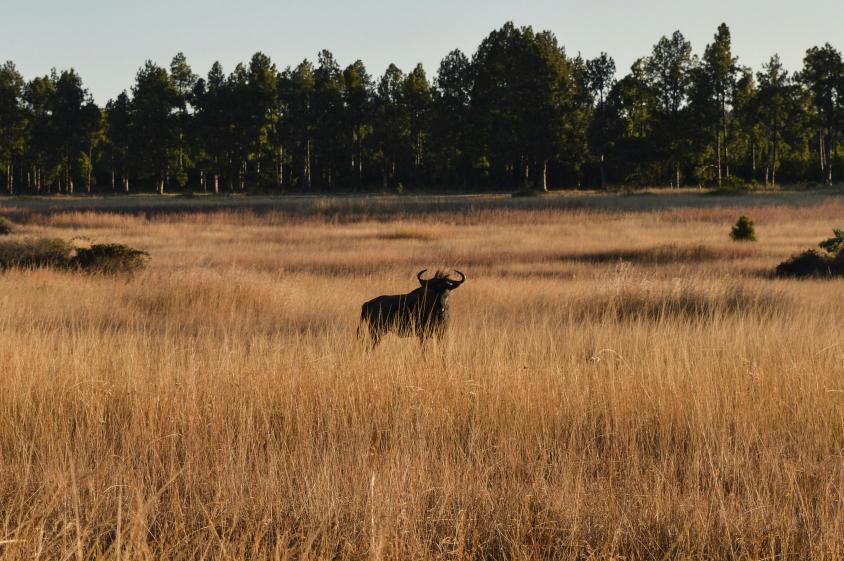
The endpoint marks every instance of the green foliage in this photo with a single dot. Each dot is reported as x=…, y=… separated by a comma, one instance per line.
x=528, y=191
x=59, y=254
x=110, y=258
x=6, y=226
x=518, y=109
x=35, y=252
x=739, y=184
x=812, y=263
x=834, y=244
x=743, y=230
x=734, y=186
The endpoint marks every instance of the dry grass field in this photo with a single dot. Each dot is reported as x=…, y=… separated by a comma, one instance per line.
x=619, y=381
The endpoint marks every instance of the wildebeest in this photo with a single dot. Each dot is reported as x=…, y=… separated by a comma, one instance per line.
x=422, y=313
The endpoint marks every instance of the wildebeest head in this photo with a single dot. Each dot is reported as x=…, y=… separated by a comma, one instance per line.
x=440, y=282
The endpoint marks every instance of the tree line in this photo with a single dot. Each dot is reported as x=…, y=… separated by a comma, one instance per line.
x=520, y=113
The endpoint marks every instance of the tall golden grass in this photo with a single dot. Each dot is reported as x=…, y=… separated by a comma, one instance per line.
x=616, y=383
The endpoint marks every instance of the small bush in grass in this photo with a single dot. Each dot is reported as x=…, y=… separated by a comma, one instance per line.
x=59, y=254
x=813, y=263
x=38, y=252
x=738, y=184
x=834, y=244
x=810, y=263
x=110, y=258
x=743, y=231
x=6, y=226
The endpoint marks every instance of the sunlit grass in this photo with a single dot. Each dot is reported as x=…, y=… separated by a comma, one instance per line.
x=614, y=384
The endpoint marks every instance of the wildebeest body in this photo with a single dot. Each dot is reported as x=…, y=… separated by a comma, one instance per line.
x=422, y=313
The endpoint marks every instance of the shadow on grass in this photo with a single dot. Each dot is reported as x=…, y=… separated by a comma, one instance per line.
x=662, y=255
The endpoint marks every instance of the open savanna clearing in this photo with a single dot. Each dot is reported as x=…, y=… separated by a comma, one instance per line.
x=619, y=380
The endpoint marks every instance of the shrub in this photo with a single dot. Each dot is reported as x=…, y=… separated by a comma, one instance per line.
x=834, y=244
x=39, y=252
x=812, y=263
x=59, y=254
x=734, y=186
x=529, y=190
x=111, y=258
x=743, y=231
x=6, y=226
x=738, y=184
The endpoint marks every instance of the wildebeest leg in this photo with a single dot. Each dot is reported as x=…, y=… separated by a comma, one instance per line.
x=369, y=332
x=374, y=338
x=373, y=335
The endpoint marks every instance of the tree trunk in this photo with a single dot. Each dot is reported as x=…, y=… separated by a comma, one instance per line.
x=360, y=164
x=821, y=152
x=384, y=175
x=306, y=167
x=830, y=156
x=527, y=173
x=543, y=176
x=726, y=146
x=774, y=165
x=753, y=159
x=309, y=166
x=603, y=174
x=88, y=175
x=280, y=168
x=718, y=146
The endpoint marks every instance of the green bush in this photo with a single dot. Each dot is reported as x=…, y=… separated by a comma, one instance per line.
x=834, y=244
x=743, y=231
x=111, y=258
x=6, y=226
x=738, y=184
x=37, y=252
x=812, y=263
x=59, y=254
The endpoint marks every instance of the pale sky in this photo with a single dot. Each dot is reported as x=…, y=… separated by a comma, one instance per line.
x=106, y=41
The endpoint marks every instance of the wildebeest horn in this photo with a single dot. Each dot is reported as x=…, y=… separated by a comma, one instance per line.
x=457, y=283
x=420, y=273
